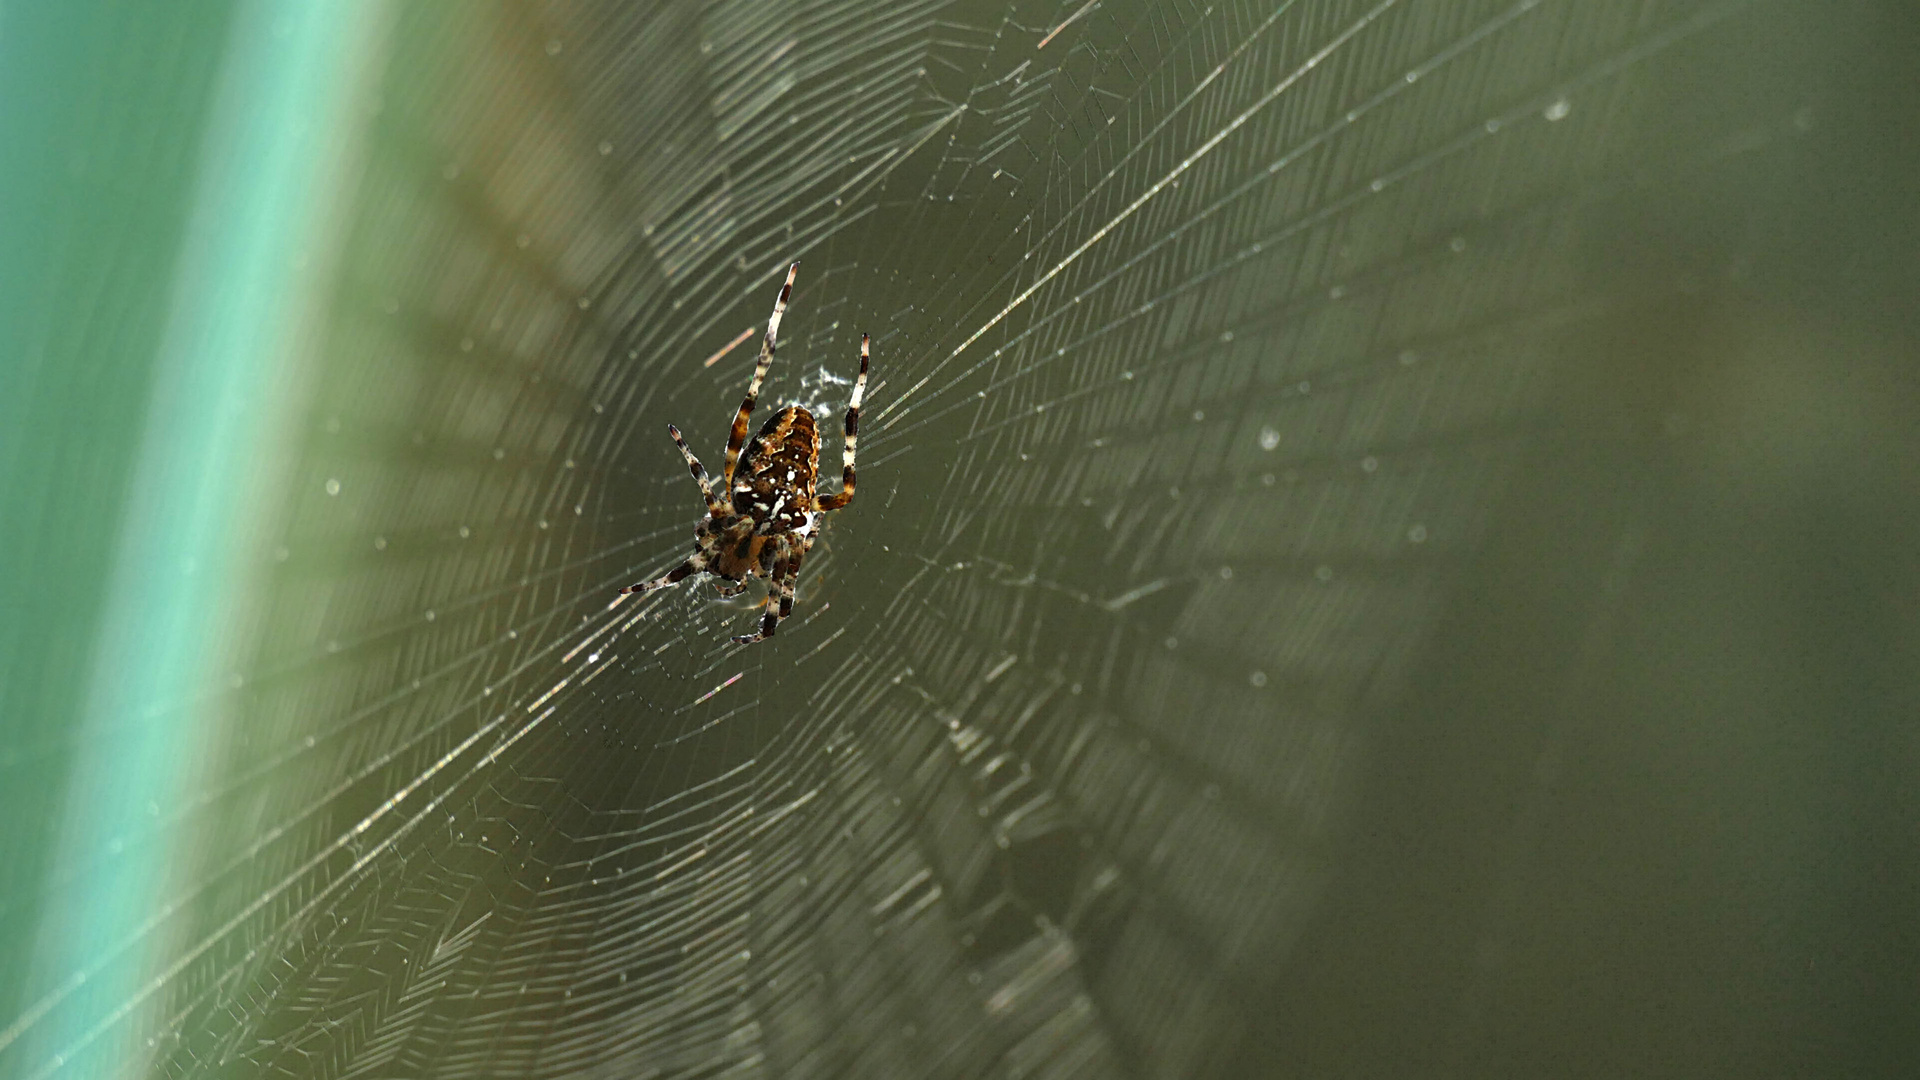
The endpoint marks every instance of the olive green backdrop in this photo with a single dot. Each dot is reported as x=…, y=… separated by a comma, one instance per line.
x=1384, y=545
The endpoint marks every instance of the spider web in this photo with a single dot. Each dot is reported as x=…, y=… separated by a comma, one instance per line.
x=1205, y=336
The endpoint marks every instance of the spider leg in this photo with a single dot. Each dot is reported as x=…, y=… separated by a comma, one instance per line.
x=845, y=494
x=724, y=589
x=771, y=617
x=793, y=576
x=699, y=472
x=693, y=565
x=738, y=437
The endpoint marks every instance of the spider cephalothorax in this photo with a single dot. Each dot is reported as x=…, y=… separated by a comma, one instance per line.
x=765, y=524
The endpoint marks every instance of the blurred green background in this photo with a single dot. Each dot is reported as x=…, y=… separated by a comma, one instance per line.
x=1386, y=545
x=99, y=180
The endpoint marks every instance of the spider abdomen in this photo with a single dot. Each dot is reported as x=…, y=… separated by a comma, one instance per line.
x=774, y=485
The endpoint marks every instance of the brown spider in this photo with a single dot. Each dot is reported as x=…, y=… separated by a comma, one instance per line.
x=767, y=524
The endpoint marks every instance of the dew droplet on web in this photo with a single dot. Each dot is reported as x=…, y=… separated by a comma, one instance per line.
x=1269, y=438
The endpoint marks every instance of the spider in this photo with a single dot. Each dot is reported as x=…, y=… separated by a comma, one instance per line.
x=766, y=524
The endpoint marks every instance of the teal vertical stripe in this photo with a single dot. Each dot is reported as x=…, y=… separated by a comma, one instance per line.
x=102, y=111
x=175, y=578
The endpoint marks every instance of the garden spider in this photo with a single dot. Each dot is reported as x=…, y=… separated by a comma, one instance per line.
x=766, y=524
